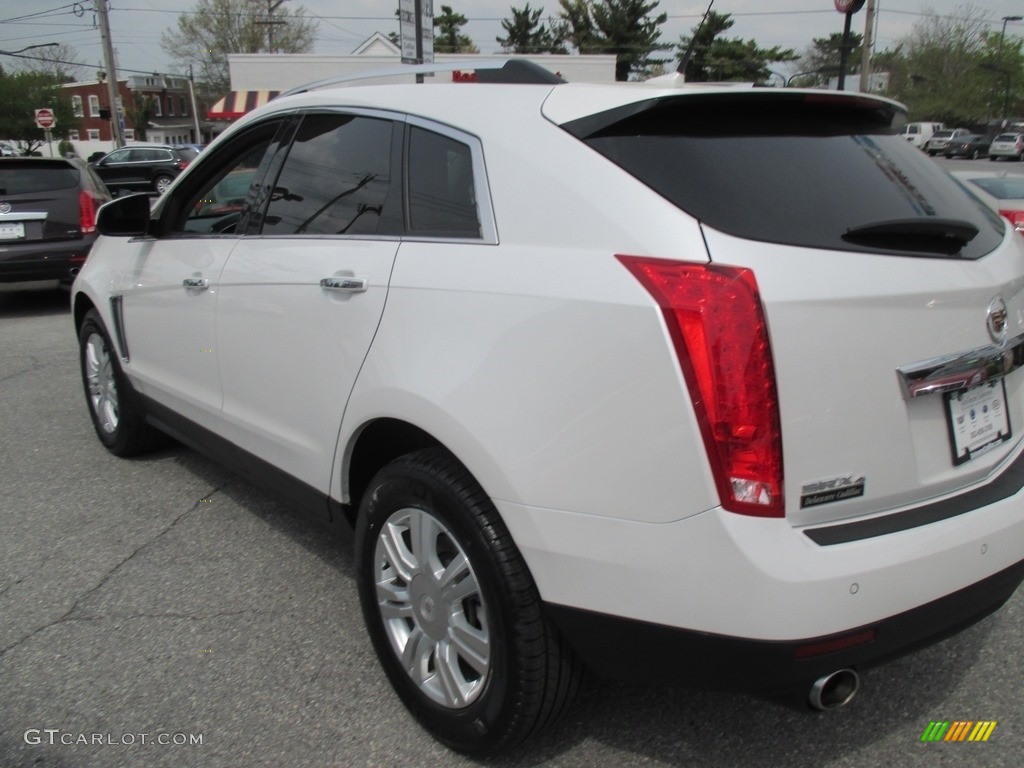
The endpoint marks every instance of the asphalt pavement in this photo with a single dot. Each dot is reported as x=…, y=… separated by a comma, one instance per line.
x=161, y=612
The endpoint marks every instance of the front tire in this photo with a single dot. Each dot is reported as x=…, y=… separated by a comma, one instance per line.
x=113, y=406
x=452, y=611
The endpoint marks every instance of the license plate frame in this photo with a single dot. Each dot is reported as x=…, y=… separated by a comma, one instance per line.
x=12, y=230
x=978, y=420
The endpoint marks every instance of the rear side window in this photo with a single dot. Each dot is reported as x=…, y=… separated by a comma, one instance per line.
x=442, y=195
x=336, y=179
x=814, y=171
x=22, y=178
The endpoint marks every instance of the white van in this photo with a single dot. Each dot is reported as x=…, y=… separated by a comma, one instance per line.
x=919, y=133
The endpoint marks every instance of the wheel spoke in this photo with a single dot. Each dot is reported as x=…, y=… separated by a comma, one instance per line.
x=416, y=655
x=396, y=553
x=450, y=675
x=423, y=535
x=394, y=601
x=457, y=582
x=471, y=644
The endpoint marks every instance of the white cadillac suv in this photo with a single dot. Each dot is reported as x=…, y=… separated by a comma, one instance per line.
x=716, y=385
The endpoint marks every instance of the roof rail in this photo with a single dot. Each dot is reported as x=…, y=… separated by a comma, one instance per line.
x=494, y=70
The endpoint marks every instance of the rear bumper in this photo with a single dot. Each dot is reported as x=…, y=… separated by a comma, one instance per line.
x=635, y=650
x=48, y=260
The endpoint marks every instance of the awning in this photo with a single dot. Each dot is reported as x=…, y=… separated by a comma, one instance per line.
x=237, y=103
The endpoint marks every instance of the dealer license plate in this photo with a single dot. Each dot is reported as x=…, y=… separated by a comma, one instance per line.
x=12, y=231
x=978, y=419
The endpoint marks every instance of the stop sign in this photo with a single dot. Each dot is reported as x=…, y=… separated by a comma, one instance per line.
x=45, y=118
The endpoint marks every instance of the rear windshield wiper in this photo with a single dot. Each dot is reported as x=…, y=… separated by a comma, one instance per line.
x=931, y=235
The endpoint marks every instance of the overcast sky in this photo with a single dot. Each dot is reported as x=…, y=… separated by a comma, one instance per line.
x=343, y=24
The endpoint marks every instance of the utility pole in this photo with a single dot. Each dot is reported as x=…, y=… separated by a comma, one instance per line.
x=869, y=42
x=108, y=58
x=272, y=5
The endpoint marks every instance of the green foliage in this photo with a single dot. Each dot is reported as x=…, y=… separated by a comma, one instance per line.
x=824, y=54
x=214, y=28
x=447, y=37
x=716, y=59
x=955, y=69
x=623, y=27
x=525, y=33
x=21, y=93
x=141, y=114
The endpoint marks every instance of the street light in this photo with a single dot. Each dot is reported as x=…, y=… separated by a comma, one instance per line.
x=829, y=70
x=29, y=48
x=1002, y=38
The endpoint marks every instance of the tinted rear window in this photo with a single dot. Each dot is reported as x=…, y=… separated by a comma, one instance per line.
x=187, y=153
x=793, y=169
x=1007, y=137
x=1005, y=188
x=28, y=177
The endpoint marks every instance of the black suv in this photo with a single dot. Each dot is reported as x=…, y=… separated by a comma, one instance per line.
x=149, y=168
x=47, y=217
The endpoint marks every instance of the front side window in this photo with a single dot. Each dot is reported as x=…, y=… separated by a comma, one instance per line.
x=442, y=195
x=336, y=179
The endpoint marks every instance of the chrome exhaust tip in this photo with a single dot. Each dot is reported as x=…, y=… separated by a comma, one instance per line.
x=834, y=690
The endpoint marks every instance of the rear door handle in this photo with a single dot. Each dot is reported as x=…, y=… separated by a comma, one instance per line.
x=350, y=284
x=196, y=282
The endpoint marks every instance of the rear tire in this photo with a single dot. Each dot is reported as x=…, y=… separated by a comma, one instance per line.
x=161, y=183
x=113, y=405
x=452, y=610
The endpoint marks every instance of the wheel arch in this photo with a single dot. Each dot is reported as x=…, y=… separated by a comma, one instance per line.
x=81, y=307
x=374, y=445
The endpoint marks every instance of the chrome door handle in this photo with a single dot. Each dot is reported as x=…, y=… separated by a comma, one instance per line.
x=195, y=282
x=352, y=284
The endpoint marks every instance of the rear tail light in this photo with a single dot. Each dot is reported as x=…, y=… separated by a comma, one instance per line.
x=182, y=164
x=86, y=212
x=715, y=318
x=1016, y=218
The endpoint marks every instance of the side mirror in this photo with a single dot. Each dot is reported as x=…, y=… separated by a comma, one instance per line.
x=124, y=217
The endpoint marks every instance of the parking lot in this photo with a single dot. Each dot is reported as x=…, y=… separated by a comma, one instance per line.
x=163, y=612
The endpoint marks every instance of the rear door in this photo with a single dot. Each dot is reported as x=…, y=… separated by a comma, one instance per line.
x=894, y=299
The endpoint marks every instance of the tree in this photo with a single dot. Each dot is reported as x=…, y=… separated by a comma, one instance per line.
x=714, y=58
x=141, y=114
x=205, y=36
x=825, y=53
x=56, y=60
x=525, y=33
x=623, y=27
x=949, y=68
x=21, y=93
x=447, y=37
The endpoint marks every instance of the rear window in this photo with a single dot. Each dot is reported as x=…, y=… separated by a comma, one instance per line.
x=817, y=171
x=29, y=177
x=187, y=153
x=942, y=135
x=1011, y=137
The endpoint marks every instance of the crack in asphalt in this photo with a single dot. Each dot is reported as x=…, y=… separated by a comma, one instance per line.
x=34, y=365
x=68, y=615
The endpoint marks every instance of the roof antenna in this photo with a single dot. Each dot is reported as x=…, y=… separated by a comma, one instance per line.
x=681, y=69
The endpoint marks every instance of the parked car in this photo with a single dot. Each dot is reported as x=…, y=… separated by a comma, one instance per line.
x=143, y=167
x=971, y=146
x=1008, y=145
x=47, y=217
x=919, y=133
x=1002, y=192
x=937, y=144
x=6, y=150
x=586, y=391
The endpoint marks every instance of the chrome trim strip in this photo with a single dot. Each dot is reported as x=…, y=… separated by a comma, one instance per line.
x=117, y=310
x=23, y=216
x=1009, y=482
x=961, y=370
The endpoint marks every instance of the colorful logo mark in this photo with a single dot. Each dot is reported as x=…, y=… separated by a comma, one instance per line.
x=959, y=730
